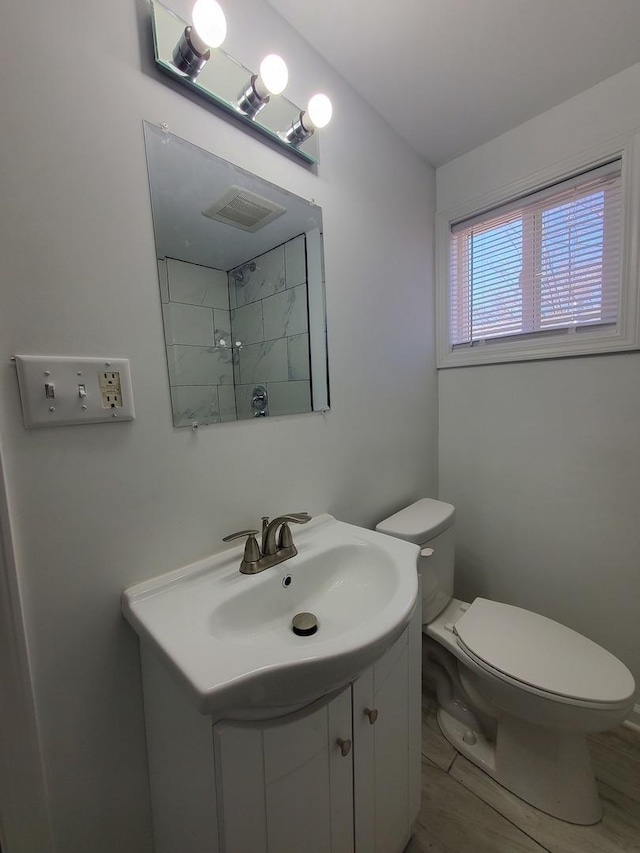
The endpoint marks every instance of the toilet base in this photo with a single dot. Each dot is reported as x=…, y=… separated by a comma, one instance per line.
x=548, y=769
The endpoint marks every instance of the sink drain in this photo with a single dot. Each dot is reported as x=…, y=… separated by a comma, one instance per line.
x=304, y=624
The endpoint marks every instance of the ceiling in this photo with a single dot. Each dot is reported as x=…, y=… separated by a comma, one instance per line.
x=452, y=74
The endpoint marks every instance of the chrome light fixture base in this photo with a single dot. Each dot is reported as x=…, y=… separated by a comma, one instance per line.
x=249, y=101
x=297, y=133
x=187, y=58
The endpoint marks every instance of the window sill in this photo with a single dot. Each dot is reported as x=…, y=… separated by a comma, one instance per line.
x=565, y=345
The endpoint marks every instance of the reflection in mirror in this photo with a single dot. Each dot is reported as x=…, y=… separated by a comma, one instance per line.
x=242, y=288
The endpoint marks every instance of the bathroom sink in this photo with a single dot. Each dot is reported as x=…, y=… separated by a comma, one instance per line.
x=228, y=637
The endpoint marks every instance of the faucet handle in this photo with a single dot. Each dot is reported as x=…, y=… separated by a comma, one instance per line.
x=239, y=535
x=295, y=517
x=252, y=551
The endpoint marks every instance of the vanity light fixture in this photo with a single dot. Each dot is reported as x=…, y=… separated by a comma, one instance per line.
x=317, y=115
x=183, y=48
x=272, y=80
x=209, y=30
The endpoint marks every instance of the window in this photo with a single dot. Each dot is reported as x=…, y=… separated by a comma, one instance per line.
x=540, y=276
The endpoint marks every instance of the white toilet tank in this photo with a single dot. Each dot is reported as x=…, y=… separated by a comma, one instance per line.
x=428, y=523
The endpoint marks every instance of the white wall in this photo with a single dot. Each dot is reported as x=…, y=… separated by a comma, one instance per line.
x=542, y=459
x=97, y=508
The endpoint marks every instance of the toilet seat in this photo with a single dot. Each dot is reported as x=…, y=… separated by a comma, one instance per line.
x=541, y=656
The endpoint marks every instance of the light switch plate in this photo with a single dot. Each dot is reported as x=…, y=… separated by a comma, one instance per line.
x=62, y=390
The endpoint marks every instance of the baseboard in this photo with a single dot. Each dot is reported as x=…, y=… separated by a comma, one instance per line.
x=634, y=717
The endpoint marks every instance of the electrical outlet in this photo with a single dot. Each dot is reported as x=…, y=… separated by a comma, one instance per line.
x=111, y=390
x=61, y=391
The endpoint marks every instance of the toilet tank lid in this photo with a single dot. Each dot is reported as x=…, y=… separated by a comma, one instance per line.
x=419, y=522
x=544, y=654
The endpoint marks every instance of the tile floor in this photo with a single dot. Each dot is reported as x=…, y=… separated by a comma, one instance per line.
x=464, y=811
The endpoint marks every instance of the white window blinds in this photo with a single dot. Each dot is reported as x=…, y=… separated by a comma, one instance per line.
x=547, y=263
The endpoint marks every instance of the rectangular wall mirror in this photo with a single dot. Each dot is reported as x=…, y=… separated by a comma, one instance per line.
x=240, y=264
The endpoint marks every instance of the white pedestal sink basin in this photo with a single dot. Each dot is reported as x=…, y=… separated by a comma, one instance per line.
x=228, y=636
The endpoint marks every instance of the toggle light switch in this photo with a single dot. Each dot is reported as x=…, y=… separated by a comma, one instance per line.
x=49, y=390
x=82, y=391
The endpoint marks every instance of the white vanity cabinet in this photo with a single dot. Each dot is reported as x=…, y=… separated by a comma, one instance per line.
x=287, y=785
x=338, y=776
x=387, y=717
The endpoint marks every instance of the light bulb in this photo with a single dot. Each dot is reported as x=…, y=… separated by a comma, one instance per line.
x=318, y=114
x=319, y=111
x=209, y=24
x=271, y=80
x=273, y=76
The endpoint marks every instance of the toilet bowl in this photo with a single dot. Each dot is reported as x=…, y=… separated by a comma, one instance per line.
x=517, y=692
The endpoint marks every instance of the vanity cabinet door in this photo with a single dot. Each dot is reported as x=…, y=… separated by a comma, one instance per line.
x=286, y=785
x=386, y=734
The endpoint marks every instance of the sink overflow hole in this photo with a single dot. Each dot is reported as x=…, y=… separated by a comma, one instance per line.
x=286, y=581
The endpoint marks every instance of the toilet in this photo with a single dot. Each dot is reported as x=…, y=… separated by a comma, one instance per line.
x=517, y=692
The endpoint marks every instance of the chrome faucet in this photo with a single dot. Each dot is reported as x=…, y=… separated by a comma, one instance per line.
x=256, y=557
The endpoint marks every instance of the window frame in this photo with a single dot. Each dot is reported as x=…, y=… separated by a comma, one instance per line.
x=585, y=340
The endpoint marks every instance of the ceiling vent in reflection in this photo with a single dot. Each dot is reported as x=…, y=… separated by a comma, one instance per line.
x=244, y=209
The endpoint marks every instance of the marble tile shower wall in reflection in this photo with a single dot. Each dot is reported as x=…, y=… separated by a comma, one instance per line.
x=270, y=330
x=195, y=305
